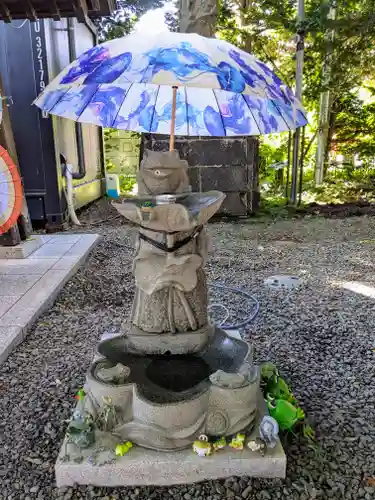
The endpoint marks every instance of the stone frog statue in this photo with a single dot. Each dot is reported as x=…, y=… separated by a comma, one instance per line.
x=162, y=173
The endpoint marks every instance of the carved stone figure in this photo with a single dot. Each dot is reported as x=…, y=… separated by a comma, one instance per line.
x=162, y=173
x=171, y=375
x=171, y=290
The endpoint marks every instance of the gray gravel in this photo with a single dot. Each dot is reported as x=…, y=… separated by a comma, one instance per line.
x=321, y=337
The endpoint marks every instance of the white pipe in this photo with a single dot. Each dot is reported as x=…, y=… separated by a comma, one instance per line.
x=69, y=194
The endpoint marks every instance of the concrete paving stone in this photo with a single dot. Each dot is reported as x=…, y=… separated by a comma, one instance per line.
x=65, y=238
x=67, y=262
x=26, y=266
x=37, y=300
x=45, y=237
x=10, y=337
x=83, y=245
x=25, y=296
x=6, y=303
x=51, y=250
x=17, y=285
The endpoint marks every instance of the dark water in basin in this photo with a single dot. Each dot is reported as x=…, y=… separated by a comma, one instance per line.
x=177, y=372
x=170, y=378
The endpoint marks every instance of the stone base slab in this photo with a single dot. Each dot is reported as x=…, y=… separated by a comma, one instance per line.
x=22, y=250
x=141, y=467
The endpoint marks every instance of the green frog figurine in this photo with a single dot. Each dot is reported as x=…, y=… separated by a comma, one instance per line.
x=275, y=384
x=123, y=448
x=284, y=412
x=219, y=444
x=202, y=447
x=237, y=442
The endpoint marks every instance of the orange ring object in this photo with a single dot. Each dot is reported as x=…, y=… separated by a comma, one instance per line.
x=18, y=191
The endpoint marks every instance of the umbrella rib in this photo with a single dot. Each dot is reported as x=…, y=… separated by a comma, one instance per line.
x=256, y=123
x=148, y=65
x=59, y=99
x=221, y=116
x=85, y=106
x=187, y=111
x=119, y=108
x=277, y=107
x=153, y=112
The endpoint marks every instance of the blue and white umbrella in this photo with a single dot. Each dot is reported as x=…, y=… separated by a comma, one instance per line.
x=174, y=82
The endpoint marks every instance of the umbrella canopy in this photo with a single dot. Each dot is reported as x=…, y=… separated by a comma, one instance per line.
x=10, y=192
x=130, y=83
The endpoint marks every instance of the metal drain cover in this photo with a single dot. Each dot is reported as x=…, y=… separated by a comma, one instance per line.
x=283, y=282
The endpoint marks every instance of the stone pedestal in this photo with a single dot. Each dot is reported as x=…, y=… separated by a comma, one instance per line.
x=141, y=467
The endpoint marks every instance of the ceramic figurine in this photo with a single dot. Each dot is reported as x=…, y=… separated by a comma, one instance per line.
x=238, y=442
x=202, y=447
x=107, y=417
x=123, y=449
x=219, y=444
x=274, y=384
x=257, y=445
x=269, y=431
x=280, y=389
x=81, y=429
x=268, y=370
x=80, y=395
x=284, y=412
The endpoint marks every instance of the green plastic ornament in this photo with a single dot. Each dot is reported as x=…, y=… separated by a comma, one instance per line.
x=284, y=412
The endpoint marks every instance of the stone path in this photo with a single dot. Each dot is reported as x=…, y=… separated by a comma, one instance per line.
x=29, y=286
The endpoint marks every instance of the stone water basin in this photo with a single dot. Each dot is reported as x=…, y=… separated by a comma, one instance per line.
x=164, y=402
x=169, y=377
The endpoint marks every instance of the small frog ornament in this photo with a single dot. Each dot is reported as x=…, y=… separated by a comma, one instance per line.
x=284, y=412
x=80, y=395
x=269, y=431
x=123, y=449
x=202, y=447
x=237, y=442
x=257, y=444
x=81, y=431
x=275, y=384
x=219, y=444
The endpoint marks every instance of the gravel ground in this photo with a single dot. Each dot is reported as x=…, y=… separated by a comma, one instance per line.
x=320, y=337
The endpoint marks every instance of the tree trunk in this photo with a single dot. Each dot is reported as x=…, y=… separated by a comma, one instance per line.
x=331, y=132
x=198, y=16
x=325, y=102
x=242, y=7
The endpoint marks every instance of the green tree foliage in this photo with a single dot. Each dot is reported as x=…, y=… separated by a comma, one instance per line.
x=269, y=27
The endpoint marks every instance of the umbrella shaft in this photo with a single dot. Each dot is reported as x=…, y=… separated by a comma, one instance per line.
x=171, y=141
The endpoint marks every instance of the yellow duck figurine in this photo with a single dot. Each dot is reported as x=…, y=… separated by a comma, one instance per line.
x=202, y=447
x=123, y=448
x=237, y=442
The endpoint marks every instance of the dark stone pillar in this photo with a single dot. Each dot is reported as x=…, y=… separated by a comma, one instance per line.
x=227, y=164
